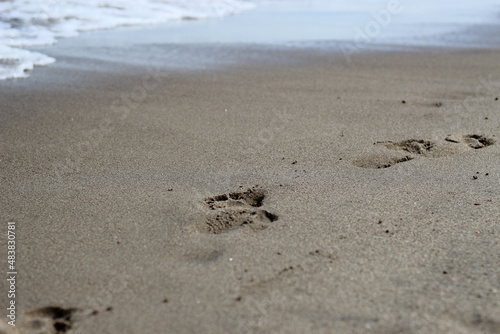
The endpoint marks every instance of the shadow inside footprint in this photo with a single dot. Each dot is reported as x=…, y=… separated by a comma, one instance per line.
x=473, y=141
x=252, y=197
x=236, y=209
x=50, y=319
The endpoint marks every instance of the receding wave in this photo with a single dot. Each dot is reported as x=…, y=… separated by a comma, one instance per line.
x=25, y=23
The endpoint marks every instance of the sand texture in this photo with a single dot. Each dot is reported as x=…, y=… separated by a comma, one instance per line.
x=311, y=195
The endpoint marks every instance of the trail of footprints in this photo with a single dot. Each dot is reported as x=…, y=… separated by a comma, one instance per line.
x=410, y=149
x=236, y=210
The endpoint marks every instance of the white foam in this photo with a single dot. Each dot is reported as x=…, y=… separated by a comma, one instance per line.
x=25, y=23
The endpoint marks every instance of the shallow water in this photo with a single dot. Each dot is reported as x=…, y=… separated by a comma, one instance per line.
x=395, y=21
x=27, y=23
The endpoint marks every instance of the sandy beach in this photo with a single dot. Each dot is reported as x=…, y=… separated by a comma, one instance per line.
x=304, y=195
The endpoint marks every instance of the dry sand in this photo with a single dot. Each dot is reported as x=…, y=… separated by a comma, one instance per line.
x=114, y=179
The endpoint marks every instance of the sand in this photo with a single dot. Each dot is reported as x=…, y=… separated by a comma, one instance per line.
x=301, y=194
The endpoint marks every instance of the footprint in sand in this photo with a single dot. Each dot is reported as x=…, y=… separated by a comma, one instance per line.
x=46, y=320
x=410, y=149
x=236, y=210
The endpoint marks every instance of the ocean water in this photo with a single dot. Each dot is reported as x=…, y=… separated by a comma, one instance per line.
x=379, y=21
x=28, y=23
x=352, y=26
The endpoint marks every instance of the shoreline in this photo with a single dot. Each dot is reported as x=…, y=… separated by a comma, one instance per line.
x=205, y=58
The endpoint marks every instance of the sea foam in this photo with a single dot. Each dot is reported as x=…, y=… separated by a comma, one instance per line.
x=28, y=23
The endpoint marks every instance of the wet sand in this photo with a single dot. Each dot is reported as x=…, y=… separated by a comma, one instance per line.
x=297, y=194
